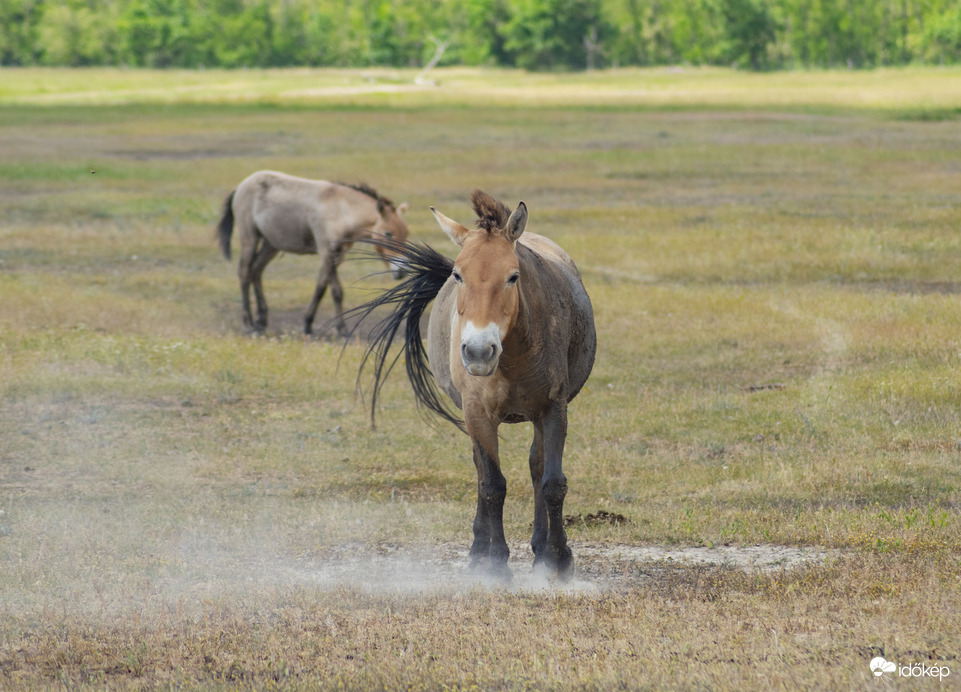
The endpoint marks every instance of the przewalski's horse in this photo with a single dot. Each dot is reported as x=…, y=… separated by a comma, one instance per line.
x=275, y=212
x=510, y=339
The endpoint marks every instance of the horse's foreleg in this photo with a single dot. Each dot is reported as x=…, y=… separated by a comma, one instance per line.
x=480, y=549
x=554, y=489
x=337, y=293
x=323, y=278
x=489, y=522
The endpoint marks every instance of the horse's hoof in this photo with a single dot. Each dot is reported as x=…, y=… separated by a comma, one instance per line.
x=501, y=573
x=553, y=567
x=564, y=565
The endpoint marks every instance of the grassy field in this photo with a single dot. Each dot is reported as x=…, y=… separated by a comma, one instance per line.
x=775, y=409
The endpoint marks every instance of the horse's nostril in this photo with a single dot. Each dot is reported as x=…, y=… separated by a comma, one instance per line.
x=478, y=352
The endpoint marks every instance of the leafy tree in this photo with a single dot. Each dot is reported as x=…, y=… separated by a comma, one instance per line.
x=18, y=31
x=534, y=34
x=698, y=31
x=750, y=30
x=942, y=36
x=483, y=38
x=77, y=35
x=245, y=38
x=162, y=33
x=549, y=34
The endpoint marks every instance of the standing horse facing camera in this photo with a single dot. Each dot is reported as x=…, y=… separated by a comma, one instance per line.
x=275, y=212
x=510, y=339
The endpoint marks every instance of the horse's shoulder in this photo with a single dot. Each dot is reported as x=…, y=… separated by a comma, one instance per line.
x=547, y=249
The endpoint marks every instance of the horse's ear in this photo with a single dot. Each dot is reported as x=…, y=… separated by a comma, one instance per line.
x=454, y=230
x=402, y=208
x=516, y=223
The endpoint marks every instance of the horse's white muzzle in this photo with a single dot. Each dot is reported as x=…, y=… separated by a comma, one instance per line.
x=398, y=268
x=480, y=349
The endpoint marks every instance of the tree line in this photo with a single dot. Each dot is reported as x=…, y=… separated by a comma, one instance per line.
x=530, y=34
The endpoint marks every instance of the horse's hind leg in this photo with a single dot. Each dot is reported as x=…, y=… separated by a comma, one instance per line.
x=248, y=250
x=265, y=253
x=539, y=535
x=553, y=489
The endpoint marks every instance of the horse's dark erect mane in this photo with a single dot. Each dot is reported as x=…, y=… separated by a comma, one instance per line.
x=492, y=214
x=371, y=192
x=408, y=300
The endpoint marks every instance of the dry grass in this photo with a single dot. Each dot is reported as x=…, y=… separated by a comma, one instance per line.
x=922, y=92
x=774, y=273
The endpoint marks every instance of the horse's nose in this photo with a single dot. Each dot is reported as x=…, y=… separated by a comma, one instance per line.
x=475, y=353
x=480, y=349
x=480, y=358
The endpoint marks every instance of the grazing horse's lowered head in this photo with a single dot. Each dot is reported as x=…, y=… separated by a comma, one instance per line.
x=389, y=226
x=510, y=339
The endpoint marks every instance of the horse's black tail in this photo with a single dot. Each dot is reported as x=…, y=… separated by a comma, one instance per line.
x=225, y=228
x=427, y=271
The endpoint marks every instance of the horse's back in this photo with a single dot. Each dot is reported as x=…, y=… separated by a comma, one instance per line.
x=286, y=210
x=563, y=295
x=548, y=249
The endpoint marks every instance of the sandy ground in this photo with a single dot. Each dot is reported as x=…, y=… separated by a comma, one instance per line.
x=392, y=569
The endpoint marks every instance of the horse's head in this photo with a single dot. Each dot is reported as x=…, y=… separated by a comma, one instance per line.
x=486, y=273
x=392, y=227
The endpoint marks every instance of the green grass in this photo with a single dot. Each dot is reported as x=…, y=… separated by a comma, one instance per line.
x=773, y=265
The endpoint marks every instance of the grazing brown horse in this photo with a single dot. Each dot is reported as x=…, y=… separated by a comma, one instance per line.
x=275, y=212
x=510, y=339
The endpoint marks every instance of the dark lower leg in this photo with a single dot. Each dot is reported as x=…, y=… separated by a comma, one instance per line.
x=554, y=488
x=265, y=253
x=481, y=547
x=539, y=535
x=261, y=323
x=492, y=490
x=245, y=301
x=337, y=293
x=322, y=280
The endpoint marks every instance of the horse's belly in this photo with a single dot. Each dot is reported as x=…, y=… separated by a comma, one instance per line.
x=285, y=227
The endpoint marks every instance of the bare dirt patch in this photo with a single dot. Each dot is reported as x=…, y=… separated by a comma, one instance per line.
x=423, y=570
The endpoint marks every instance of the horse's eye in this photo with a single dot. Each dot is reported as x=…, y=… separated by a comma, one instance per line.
x=388, y=235
x=456, y=276
x=512, y=279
